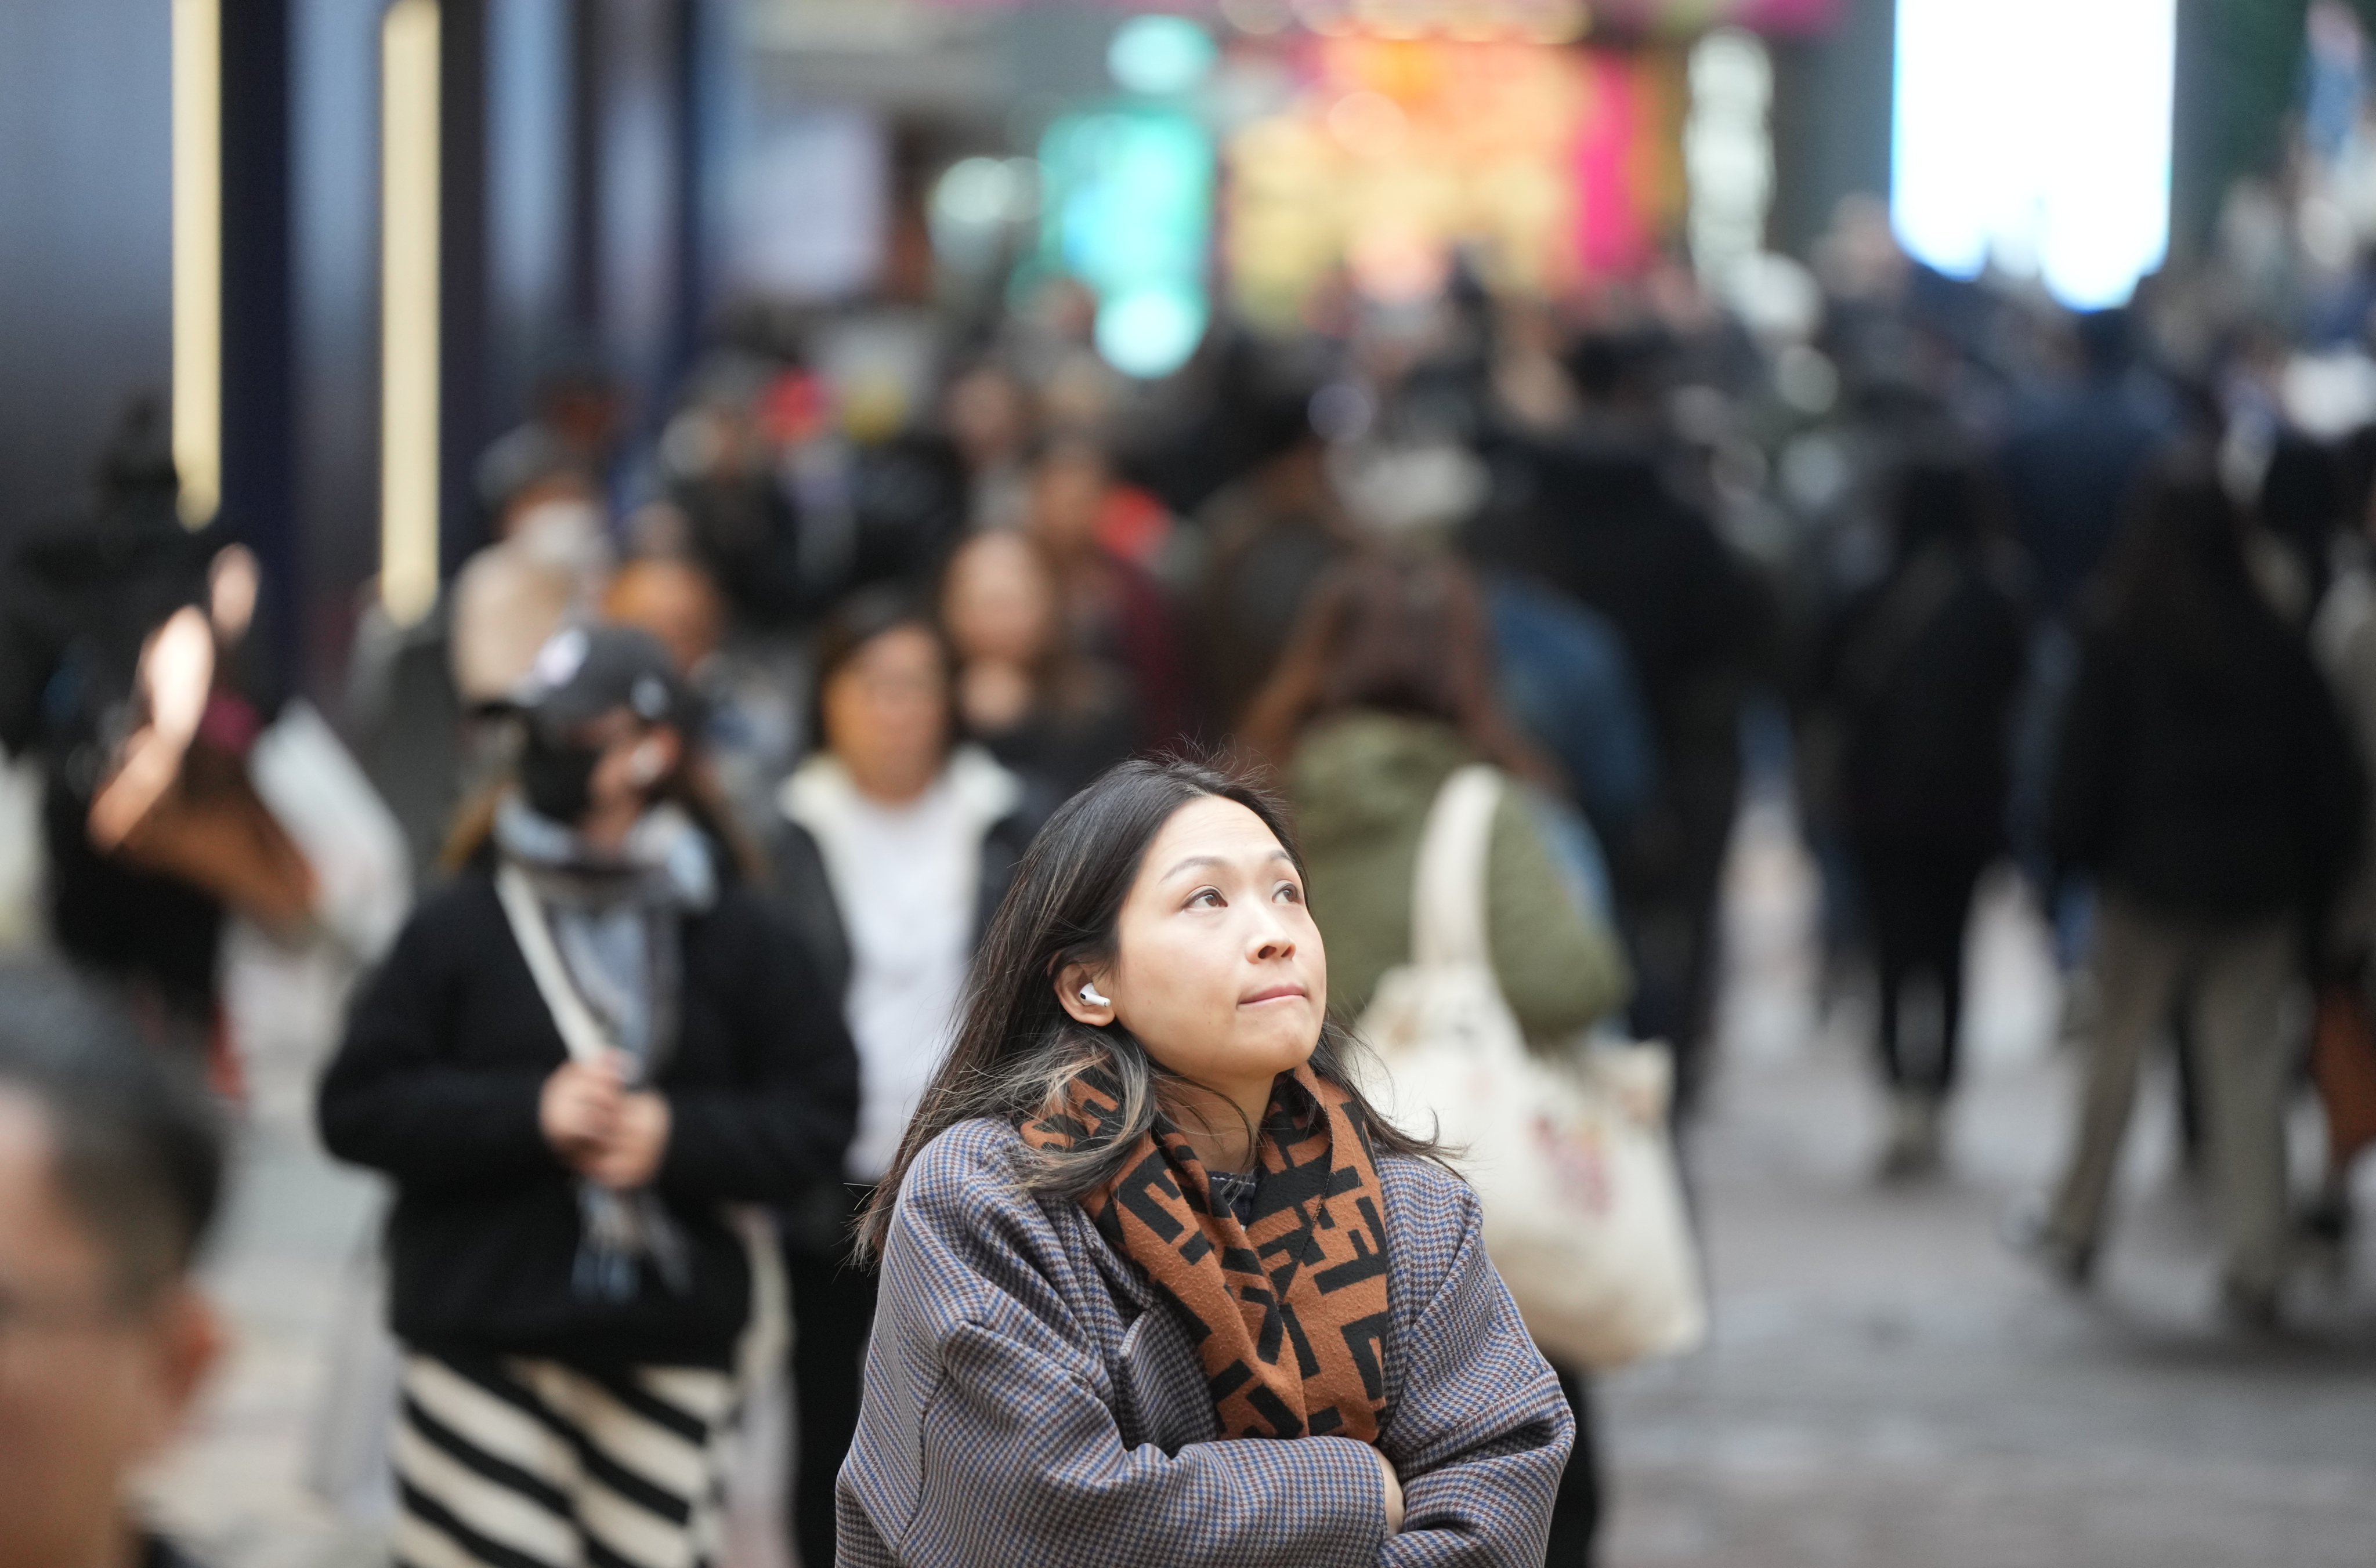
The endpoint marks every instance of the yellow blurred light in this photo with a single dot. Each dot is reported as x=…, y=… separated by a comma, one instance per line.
x=197, y=257
x=408, y=310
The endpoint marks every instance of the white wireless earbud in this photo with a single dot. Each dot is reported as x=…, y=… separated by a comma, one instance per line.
x=645, y=765
x=1089, y=995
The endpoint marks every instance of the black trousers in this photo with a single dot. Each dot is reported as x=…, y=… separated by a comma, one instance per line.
x=833, y=1309
x=1919, y=900
x=1575, y=1509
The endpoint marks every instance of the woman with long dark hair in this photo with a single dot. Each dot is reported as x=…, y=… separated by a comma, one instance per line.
x=894, y=848
x=578, y=1053
x=2207, y=785
x=1158, y=1284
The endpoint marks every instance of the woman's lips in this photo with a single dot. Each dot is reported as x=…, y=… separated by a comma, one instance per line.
x=1275, y=994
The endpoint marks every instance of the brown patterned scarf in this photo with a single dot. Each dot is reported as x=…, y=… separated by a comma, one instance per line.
x=1287, y=1310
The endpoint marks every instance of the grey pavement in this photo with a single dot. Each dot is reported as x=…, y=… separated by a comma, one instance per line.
x=1885, y=1387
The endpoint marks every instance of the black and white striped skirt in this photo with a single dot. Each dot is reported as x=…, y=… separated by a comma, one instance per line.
x=517, y=1463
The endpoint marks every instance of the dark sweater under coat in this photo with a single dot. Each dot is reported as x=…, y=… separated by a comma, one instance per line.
x=438, y=1083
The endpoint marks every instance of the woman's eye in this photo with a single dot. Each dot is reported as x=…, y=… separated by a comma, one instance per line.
x=1289, y=893
x=1206, y=898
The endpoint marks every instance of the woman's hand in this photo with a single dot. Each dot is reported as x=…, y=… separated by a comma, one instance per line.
x=1394, y=1492
x=630, y=1157
x=578, y=1110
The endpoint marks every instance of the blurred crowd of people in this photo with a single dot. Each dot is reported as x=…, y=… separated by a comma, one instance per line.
x=805, y=668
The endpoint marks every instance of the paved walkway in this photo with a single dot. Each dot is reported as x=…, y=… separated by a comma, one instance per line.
x=1886, y=1389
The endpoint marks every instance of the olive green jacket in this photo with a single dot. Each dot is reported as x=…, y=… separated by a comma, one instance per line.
x=1361, y=784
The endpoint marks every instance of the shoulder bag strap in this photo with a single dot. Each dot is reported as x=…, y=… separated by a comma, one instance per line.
x=1448, y=892
x=580, y=1031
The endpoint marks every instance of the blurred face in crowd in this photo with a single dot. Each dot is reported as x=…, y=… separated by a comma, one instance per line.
x=1066, y=495
x=675, y=602
x=886, y=714
x=1218, y=969
x=1000, y=601
x=555, y=522
x=601, y=777
x=97, y=1366
x=987, y=416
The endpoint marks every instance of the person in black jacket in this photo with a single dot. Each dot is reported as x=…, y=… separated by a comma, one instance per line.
x=575, y=1056
x=1923, y=668
x=2206, y=782
x=895, y=847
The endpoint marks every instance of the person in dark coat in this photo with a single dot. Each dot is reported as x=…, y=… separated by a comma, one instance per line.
x=141, y=878
x=2207, y=784
x=1591, y=515
x=576, y=1055
x=894, y=848
x=1923, y=670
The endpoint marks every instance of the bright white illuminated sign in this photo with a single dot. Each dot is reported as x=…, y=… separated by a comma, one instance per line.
x=2035, y=134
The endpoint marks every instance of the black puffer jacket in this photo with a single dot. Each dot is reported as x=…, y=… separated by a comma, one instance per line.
x=438, y=1085
x=2223, y=788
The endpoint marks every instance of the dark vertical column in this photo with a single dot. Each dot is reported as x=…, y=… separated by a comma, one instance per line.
x=462, y=402
x=586, y=114
x=696, y=147
x=259, y=447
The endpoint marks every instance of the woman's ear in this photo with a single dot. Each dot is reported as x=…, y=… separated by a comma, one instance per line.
x=1078, y=992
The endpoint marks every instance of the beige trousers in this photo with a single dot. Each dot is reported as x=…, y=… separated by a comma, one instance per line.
x=2236, y=978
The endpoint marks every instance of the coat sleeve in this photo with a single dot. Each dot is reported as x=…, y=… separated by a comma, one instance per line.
x=1480, y=1432
x=394, y=1101
x=988, y=1436
x=786, y=1124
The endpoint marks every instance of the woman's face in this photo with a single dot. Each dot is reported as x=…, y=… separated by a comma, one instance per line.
x=1000, y=603
x=1218, y=969
x=886, y=714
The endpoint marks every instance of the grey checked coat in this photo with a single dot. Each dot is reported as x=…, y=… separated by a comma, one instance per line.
x=1029, y=1400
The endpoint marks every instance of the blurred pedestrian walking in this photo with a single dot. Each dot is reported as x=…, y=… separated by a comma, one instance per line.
x=1385, y=695
x=1920, y=679
x=578, y=1053
x=1590, y=512
x=1025, y=689
x=2206, y=782
x=128, y=669
x=1114, y=606
x=1147, y=1071
x=896, y=845
x=111, y=1170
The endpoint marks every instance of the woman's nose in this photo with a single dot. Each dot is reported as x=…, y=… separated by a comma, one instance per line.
x=1271, y=938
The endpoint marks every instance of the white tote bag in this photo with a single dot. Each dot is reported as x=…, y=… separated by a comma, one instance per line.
x=1568, y=1154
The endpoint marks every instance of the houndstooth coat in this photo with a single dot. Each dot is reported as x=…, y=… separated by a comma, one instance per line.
x=1029, y=1400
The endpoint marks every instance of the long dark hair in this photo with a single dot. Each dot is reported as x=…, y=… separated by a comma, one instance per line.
x=1017, y=1049
x=2179, y=587
x=1402, y=631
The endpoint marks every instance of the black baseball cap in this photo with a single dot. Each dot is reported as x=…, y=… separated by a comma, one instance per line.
x=584, y=672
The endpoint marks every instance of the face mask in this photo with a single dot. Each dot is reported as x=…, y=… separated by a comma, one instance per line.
x=557, y=778
x=560, y=535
